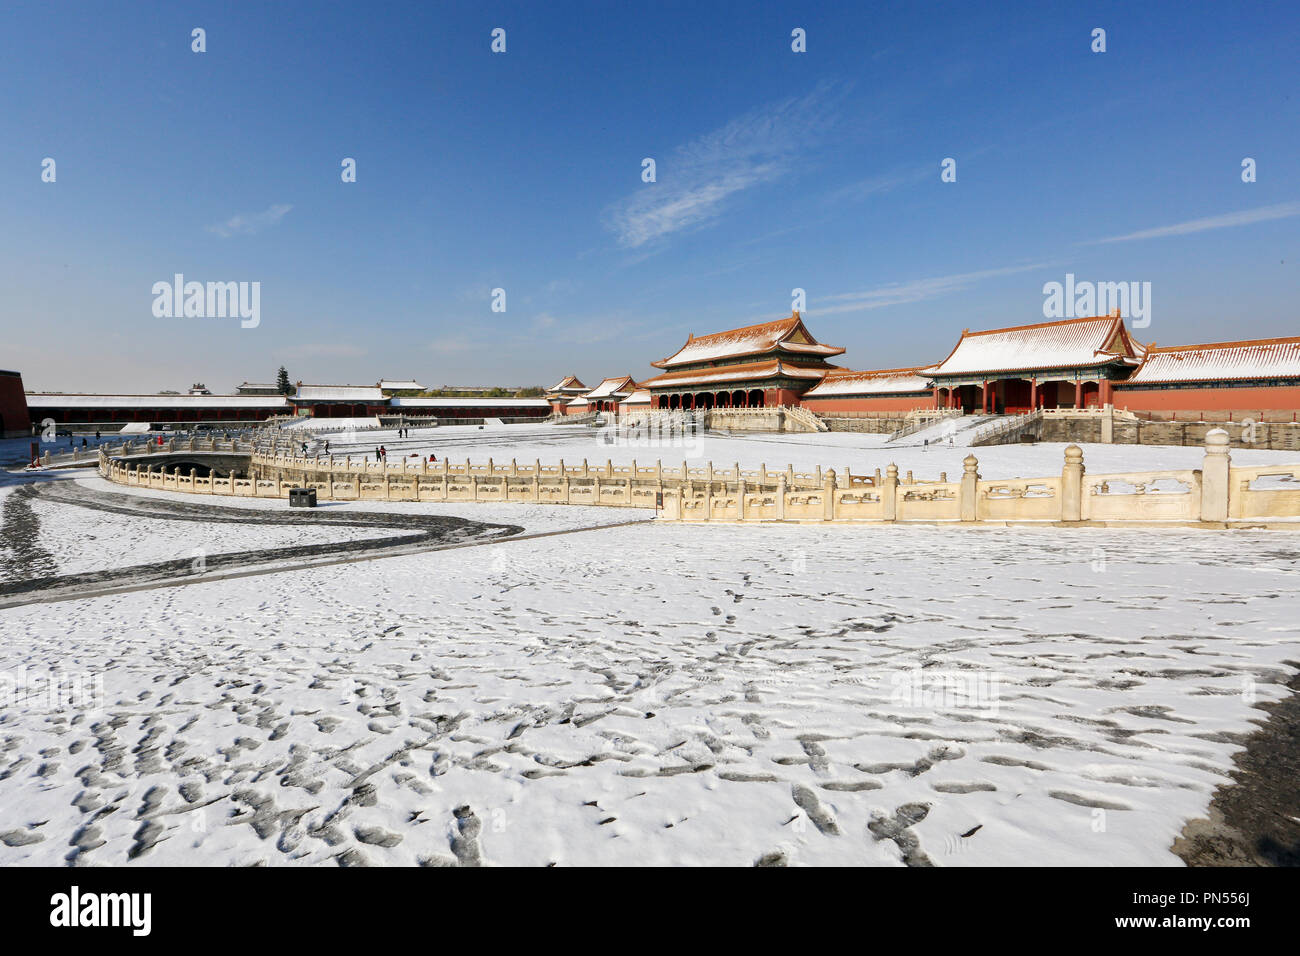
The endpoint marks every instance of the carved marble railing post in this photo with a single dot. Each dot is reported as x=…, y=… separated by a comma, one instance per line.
x=780, y=497
x=828, y=495
x=889, y=493
x=1214, y=476
x=969, y=488
x=740, y=496
x=1072, y=484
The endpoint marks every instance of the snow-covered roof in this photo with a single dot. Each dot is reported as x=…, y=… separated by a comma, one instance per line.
x=569, y=383
x=788, y=335
x=75, y=400
x=640, y=397
x=613, y=386
x=1220, y=361
x=1066, y=343
x=747, y=371
x=577, y=403
x=469, y=403
x=404, y=385
x=339, y=393
x=890, y=381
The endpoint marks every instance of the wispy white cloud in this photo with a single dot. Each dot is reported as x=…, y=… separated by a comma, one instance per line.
x=886, y=182
x=246, y=224
x=695, y=182
x=902, y=293
x=1244, y=218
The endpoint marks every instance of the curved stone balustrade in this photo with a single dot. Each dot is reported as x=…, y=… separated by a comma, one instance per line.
x=1215, y=493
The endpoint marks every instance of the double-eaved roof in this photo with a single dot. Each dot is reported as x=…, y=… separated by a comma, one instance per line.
x=1066, y=343
x=1220, y=361
x=723, y=374
x=890, y=381
x=784, y=335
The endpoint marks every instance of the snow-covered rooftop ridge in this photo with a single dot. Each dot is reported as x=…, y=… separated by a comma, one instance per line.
x=75, y=400
x=640, y=397
x=409, y=383
x=568, y=383
x=878, y=382
x=1249, y=359
x=612, y=386
x=788, y=334
x=1096, y=340
x=468, y=402
x=347, y=393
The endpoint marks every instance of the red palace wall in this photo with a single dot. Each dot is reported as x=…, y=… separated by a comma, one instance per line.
x=781, y=396
x=470, y=411
x=1206, y=399
x=879, y=403
x=14, y=419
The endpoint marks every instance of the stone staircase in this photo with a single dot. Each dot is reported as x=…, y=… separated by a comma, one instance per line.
x=924, y=419
x=804, y=419
x=1008, y=429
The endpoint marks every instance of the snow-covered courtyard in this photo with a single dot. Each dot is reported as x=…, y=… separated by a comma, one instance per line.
x=566, y=693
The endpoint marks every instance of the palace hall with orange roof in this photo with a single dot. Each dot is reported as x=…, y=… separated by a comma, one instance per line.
x=1089, y=363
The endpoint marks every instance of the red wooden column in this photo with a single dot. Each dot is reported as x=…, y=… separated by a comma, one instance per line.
x=936, y=397
x=1078, y=393
x=984, y=396
x=1033, y=393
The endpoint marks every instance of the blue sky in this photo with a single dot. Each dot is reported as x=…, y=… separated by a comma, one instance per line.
x=522, y=170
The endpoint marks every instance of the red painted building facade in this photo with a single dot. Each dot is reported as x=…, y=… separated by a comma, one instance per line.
x=15, y=419
x=1252, y=375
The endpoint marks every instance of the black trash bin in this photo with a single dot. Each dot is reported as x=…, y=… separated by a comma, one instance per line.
x=302, y=497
